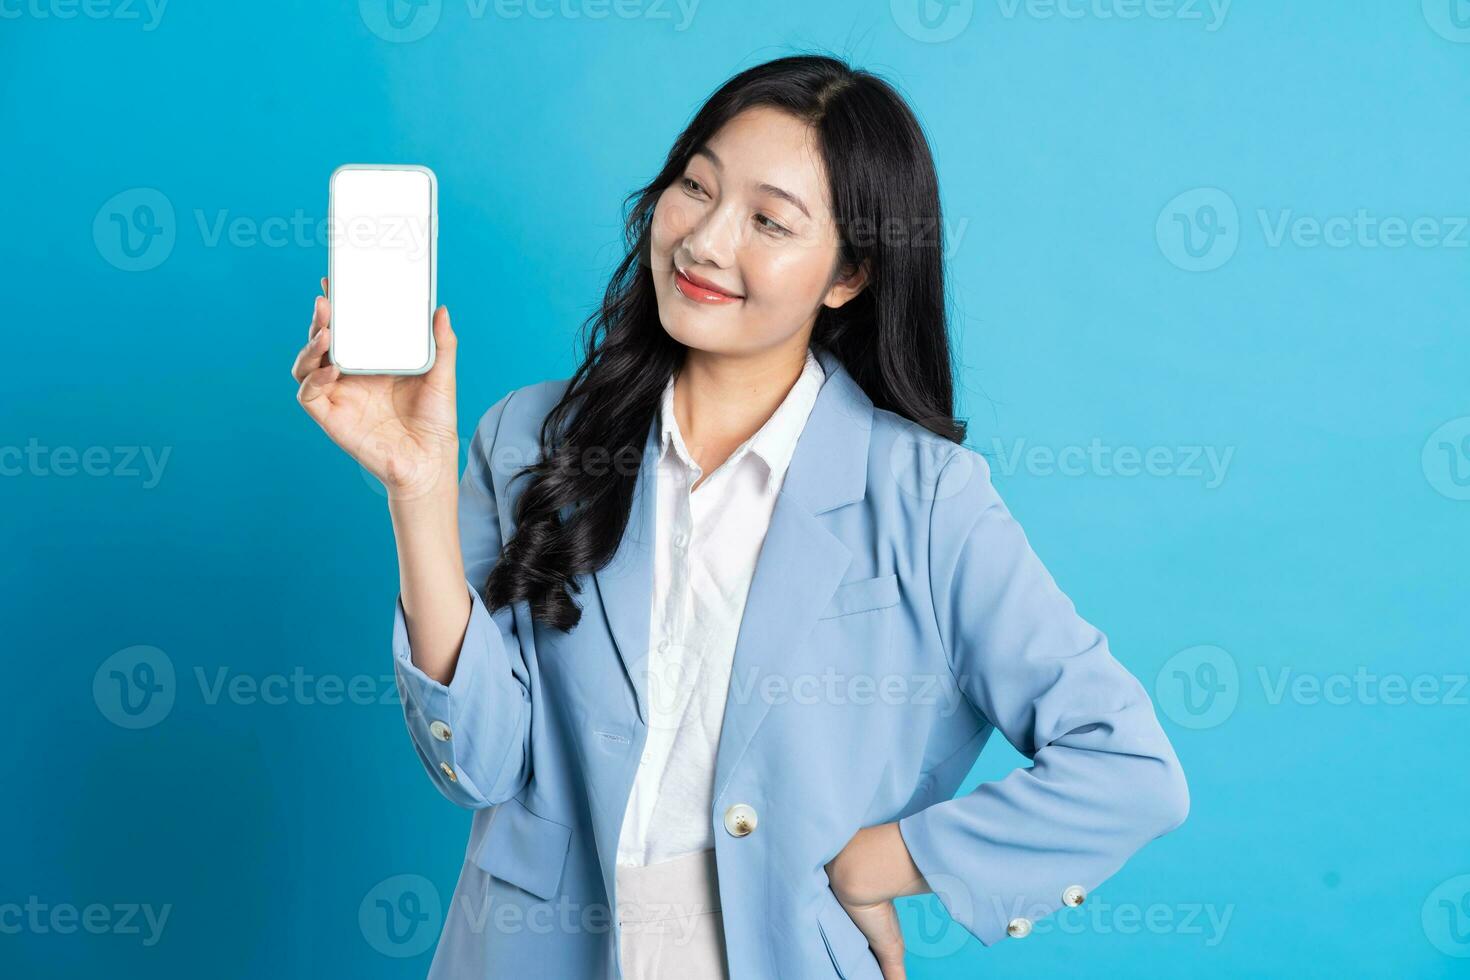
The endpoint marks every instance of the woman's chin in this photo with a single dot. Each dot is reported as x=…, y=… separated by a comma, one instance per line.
x=694, y=330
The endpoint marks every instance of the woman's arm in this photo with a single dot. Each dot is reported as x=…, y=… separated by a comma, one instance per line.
x=430, y=569
x=461, y=673
x=1104, y=780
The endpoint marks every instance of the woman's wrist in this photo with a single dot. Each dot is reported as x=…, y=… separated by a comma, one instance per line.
x=426, y=530
x=429, y=484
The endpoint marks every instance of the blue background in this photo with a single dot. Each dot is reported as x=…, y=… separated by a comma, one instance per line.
x=1328, y=833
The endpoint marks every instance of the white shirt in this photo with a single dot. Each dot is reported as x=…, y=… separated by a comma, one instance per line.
x=705, y=549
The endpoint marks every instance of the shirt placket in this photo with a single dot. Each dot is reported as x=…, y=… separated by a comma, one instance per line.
x=673, y=619
x=677, y=608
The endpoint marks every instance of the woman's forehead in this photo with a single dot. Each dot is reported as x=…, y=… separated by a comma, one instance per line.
x=763, y=145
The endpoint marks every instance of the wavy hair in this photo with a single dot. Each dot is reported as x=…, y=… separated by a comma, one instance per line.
x=892, y=337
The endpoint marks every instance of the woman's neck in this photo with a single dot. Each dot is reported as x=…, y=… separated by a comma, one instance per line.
x=721, y=400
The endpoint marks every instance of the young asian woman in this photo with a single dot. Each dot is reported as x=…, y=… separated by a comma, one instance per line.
x=709, y=633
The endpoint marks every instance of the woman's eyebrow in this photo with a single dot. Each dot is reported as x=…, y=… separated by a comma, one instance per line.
x=771, y=189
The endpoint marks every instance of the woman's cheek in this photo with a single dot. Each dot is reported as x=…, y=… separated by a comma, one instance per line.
x=672, y=219
x=795, y=270
x=663, y=232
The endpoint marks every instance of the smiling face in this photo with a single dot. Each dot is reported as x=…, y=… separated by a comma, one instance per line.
x=744, y=247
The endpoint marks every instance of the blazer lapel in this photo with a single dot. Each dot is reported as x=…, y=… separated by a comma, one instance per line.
x=800, y=564
x=625, y=584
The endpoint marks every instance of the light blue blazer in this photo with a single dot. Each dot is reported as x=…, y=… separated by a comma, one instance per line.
x=896, y=618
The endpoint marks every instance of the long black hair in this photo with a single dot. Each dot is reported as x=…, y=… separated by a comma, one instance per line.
x=892, y=337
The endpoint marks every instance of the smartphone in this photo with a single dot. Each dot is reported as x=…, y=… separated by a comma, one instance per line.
x=383, y=226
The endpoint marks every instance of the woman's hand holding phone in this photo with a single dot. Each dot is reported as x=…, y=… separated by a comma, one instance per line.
x=403, y=429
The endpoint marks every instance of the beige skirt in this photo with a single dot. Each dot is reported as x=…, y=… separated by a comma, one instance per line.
x=669, y=917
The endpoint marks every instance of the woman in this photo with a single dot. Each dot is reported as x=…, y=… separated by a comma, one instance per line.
x=803, y=607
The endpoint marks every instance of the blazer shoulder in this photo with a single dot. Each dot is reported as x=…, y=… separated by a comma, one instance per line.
x=925, y=465
x=889, y=426
x=518, y=415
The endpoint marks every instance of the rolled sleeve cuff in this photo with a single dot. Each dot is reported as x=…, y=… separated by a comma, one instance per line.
x=466, y=730
x=957, y=892
x=979, y=884
x=465, y=668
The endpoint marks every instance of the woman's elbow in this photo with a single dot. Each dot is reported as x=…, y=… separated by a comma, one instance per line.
x=1170, y=796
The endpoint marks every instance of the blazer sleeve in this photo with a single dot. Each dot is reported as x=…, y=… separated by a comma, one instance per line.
x=1104, y=779
x=478, y=726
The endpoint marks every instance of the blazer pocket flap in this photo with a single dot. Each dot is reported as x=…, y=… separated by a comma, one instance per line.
x=862, y=595
x=527, y=850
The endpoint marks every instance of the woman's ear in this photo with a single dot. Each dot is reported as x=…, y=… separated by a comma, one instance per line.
x=847, y=285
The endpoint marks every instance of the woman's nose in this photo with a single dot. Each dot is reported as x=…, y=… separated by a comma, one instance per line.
x=715, y=240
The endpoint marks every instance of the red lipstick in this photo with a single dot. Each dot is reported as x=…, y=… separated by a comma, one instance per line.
x=701, y=290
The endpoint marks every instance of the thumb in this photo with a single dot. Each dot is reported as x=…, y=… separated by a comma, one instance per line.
x=445, y=343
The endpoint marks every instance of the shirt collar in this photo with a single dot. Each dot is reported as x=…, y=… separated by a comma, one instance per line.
x=774, y=442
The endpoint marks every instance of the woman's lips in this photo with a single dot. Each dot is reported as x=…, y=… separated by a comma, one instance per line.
x=700, y=292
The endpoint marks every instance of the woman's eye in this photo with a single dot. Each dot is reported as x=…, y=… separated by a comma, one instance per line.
x=691, y=184
x=769, y=225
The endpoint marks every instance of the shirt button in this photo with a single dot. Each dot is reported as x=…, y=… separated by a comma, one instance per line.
x=1019, y=927
x=740, y=819
x=680, y=540
x=1073, y=896
x=440, y=731
x=663, y=646
x=444, y=767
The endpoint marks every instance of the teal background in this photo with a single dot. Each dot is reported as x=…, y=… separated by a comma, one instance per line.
x=1299, y=617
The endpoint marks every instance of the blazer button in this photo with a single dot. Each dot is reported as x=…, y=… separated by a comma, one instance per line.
x=440, y=731
x=1073, y=896
x=1019, y=927
x=740, y=819
x=444, y=767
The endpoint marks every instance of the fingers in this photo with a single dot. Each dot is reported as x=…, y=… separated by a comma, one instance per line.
x=321, y=315
x=318, y=337
x=312, y=367
x=316, y=384
x=313, y=355
x=324, y=288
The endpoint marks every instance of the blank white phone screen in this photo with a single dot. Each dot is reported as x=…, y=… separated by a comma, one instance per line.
x=382, y=269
